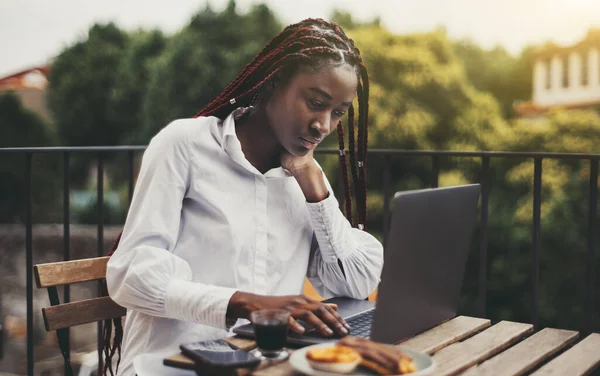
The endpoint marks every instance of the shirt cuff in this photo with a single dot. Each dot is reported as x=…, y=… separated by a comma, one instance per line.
x=197, y=302
x=322, y=216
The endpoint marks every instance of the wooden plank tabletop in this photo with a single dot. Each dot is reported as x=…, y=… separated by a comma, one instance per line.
x=581, y=359
x=469, y=346
x=446, y=334
x=526, y=355
x=457, y=357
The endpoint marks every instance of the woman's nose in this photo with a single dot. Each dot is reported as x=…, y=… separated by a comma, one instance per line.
x=322, y=126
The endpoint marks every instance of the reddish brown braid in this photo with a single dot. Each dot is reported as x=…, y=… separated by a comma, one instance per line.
x=313, y=43
x=344, y=173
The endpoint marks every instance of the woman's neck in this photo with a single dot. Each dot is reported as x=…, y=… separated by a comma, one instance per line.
x=259, y=144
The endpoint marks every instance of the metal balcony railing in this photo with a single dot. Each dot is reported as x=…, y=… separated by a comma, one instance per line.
x=379, y=156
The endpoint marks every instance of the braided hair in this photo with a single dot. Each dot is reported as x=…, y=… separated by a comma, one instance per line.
x=311, y=43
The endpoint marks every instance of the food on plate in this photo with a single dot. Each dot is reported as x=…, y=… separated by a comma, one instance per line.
x=335, y=358
x=405, y=366
x=379, y=357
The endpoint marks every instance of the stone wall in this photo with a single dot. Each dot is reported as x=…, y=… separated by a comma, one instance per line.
x=47, y=247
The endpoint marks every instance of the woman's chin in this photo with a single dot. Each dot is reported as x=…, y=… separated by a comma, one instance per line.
x=298, y=150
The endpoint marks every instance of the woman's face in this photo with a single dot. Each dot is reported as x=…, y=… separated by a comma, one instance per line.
x=303, y=111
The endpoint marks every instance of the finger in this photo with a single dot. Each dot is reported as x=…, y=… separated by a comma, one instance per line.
x=333, y=319
x=335, y=313
x=295, y=326
x=313, y=320
x=332, y=305
x=309, y=299
x=330, y=317
x=324, y=314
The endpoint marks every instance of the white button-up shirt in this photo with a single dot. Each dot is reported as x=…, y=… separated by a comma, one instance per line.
x=204, y=223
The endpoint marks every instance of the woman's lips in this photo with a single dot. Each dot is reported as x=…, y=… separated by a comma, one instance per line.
x=309, y=143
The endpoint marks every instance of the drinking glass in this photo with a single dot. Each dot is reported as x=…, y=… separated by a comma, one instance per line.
x=270, y=331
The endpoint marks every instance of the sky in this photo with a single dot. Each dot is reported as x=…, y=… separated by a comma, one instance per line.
x=34, y=31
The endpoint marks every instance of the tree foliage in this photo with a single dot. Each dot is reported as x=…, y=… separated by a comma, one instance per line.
x=495, y=71
x=427, y=93
x=82, y=79
x=201, y=60
x=131, y=83
x=22, y=128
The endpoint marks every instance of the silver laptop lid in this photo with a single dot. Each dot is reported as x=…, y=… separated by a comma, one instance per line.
x=424, y=260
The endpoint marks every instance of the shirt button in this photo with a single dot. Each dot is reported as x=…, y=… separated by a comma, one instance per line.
x=324, y=227
x=332, y=258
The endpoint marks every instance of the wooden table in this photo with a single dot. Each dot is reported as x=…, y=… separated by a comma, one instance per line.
x=471, y=346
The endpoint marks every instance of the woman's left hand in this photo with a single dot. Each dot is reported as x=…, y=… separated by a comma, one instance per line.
x=308, y=175
x=297, y=165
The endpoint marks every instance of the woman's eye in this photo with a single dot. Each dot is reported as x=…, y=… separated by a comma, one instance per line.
x=339, y=113
x=316, y=104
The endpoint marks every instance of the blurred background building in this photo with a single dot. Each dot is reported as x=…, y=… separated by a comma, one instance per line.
x=565, y=76
x=30, y=87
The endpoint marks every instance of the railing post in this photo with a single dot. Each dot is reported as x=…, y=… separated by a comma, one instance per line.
x=130, y=176
x=386, y=197
x=66, y=241
x=589, y=272
x=100, y=250
x=535, y=259
x=484, y=180
x=435, y=171
x=29, y=262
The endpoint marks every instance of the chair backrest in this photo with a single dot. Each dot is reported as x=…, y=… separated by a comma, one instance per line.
x=60, y=316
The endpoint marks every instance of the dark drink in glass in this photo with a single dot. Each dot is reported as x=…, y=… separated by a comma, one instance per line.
x=270, y=330
x=270, y=336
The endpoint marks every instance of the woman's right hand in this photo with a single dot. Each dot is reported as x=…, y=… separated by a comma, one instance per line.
x=322, y=316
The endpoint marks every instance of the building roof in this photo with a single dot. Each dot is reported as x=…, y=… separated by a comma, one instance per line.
x=529, y=108
x=550, y=49
x=35, y=78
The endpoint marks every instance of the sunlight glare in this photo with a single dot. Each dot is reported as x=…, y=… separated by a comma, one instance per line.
x=582, y=3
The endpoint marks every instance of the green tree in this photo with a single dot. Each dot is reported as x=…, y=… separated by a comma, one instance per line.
x=347, y=21
x=23, y=128
x=422, y=97
x=495, y=71
x=564, y=211
x=81, y=82
x=124, y=109
x=201, y=60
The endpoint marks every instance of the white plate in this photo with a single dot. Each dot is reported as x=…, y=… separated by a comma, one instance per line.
x=425, y=363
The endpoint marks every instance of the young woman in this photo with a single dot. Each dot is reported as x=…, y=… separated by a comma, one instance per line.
x=231, y=212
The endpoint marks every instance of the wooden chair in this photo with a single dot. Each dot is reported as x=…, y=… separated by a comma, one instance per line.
x=59, y=316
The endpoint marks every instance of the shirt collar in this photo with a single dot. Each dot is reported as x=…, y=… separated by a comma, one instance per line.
x=229, y=139
x=231, y=144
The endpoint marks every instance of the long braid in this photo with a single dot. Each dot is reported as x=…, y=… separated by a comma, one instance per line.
x=344, y=173
x=363, y=114
x=108, y=348
x=312, y=42
x=363, y=141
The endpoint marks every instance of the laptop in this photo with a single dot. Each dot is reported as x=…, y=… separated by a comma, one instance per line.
x=424, y=263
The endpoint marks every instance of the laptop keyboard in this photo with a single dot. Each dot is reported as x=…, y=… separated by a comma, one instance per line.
x=361, y=324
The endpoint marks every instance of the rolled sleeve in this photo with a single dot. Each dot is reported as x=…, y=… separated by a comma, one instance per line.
x=196, y=302
x=325, y=226
x=337, y=242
